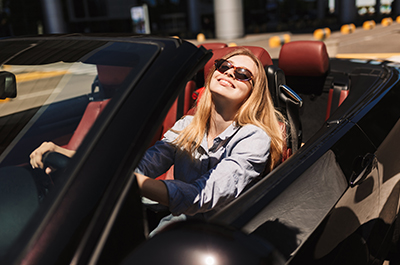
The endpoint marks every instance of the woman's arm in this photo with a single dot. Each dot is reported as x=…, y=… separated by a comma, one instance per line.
x=247, y=156
x=161, y=156
x=153, y=189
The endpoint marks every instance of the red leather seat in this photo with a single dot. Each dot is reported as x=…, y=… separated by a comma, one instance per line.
x=213, y=45
x=306, y=66
x=337, y=94
x=177, y=110
x=91, y=113
x=112, y=76
x=175, y=113
x=259, y=52
x=109, y=77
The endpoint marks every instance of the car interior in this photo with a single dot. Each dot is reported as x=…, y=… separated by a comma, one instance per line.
x=107, y=80
x=299, y=82
x=302, y=72
x=303, y=86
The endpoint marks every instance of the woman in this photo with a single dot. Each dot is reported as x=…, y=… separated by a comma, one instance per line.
x=233, y=138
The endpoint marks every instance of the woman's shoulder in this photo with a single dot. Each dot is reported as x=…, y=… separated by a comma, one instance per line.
x=252, y=140
x=254, y=130
x=179, y=125
x=183, y=122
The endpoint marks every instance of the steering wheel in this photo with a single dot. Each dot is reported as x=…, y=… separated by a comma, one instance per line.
x=56, y=161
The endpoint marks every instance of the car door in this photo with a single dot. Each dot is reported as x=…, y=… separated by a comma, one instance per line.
x=309, y=221
x=382, y=126
x=357, y=230
x=344, y=234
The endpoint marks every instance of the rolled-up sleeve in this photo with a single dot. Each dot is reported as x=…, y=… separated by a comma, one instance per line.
x=157, y=160
x=244, y=159
x=160, y=157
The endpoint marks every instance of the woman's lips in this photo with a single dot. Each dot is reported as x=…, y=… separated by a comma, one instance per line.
x=225, y=82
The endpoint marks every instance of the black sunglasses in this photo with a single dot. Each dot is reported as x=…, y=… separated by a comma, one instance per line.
x=240, y=73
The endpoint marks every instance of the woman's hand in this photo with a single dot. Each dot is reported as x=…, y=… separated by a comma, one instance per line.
x=36, y=156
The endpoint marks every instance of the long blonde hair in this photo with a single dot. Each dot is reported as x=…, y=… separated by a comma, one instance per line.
x=258, y=110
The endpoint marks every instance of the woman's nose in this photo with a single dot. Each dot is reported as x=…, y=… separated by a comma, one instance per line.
x=230, y=72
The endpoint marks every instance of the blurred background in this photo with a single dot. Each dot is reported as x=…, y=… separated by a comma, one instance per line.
x=222, y=19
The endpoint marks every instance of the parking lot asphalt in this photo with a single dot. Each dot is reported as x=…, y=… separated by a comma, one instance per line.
x=380, y=42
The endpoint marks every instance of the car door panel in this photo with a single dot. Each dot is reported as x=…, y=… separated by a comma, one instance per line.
x=343, y=224
x=302, y=206
x=388, y=161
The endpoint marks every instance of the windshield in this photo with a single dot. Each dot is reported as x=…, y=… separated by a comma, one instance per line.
x=60, y=88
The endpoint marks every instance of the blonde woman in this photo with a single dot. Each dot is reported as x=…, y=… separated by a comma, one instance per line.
x=232, y=139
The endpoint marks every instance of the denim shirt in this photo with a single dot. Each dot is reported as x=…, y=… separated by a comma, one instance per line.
x=215, y=176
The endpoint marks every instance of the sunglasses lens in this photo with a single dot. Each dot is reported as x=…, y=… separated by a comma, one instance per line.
x=241, y=74
x=223, y=66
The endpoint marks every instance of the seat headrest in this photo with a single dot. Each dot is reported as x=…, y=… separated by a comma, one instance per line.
x=213, y=45
x=259, y=52
x=304, y=58
x=112, y=75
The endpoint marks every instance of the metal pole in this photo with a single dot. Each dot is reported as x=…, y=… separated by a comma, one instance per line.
x=321, y=8
x=378, y=7
x=348, y=11
x=53, y=16
x=229, y=23
x=194, y=16
x=396, y=8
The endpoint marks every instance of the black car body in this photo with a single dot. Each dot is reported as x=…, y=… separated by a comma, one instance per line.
x=334, y=201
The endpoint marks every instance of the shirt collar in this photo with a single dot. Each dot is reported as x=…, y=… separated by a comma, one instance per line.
x=229, y=132
x=226, y=134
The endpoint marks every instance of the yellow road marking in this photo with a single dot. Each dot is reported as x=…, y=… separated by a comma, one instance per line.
x=38, y=75
x=366, y=55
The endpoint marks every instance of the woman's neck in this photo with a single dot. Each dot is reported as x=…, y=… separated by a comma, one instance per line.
x=219, y=122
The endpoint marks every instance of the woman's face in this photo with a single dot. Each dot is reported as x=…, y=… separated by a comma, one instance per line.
x=228, y=90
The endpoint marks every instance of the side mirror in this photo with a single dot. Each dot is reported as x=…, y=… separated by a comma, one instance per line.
x=8, y=85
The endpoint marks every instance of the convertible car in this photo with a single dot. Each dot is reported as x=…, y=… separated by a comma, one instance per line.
x=334, y=198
